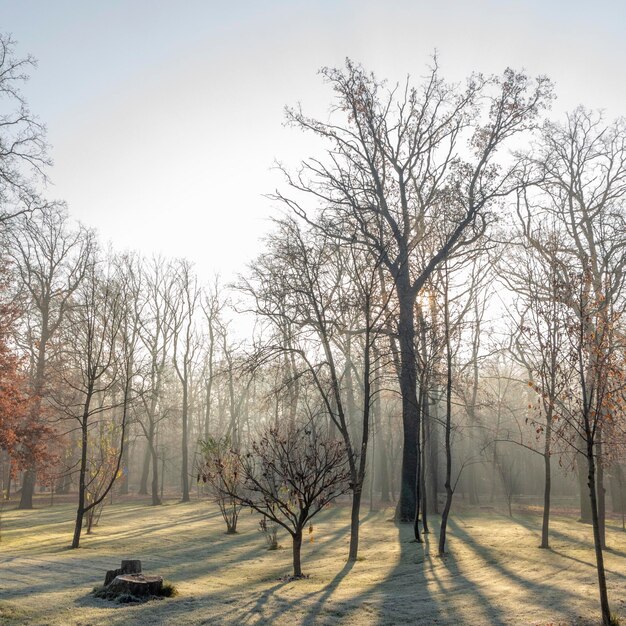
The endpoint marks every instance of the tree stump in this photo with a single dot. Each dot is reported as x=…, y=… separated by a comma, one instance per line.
x=136, y=585
x=129, y=566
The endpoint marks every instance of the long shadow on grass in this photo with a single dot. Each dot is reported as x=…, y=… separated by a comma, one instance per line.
x=527, y=522
x=193, y=561
x=422, y=588
x=539, y=591
x=411, y=593
x=427, y=596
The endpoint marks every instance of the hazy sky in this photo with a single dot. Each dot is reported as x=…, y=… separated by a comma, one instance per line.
x=165, y=117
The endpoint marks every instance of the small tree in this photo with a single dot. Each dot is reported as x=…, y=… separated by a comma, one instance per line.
x=222, y=473
x=102, y=470
x=289, y=475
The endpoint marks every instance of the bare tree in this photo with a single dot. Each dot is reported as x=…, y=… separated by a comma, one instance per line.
x=394, y=168
x=23, y=148
x=156, y=334
x=328, y=296
x=51, y=258
x=222, y=473
x=184, y=304
x=289, y=475
x=91, y=374
x=580, y=167
x=212, y=305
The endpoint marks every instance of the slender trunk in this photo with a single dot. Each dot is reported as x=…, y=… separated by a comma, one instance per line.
x=209, y=384
x=423, y=465
x=7, y=479
x=372, y=472
x=297, y=545
x=125, y=465
x=145, y=472
x=619, y=501
x=545, y=525
x=418, y=497
x=367, y=398
x=600, y=491
x=28, y=484
x=185, y=450
x=379, y=454
x=597, y=540
x=80, y=512
x=448, y=485
x=383, y=471
x=472, y=485
x=354, y=523
x=447, y=425
x=155, y=477
x=433, y=458
x=585, y=505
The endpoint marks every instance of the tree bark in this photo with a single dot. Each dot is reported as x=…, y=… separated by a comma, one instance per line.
x=585, y=505
x=156, y=500
x=80, y=512
x=124, y=479
x=354, y=523
x=545, y=524
x=410, y=418
x=185, y=445
x=297, y=545
x=28, y=489
x=597, y=540
x=447, y=425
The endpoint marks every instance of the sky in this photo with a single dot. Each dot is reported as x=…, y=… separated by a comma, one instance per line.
x=166, y=117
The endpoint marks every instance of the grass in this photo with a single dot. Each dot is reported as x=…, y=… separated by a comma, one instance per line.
x=494, y=572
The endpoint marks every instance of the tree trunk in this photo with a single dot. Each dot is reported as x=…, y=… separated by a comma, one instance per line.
x=80, y=512
x=185, y=446
x=601, y=491
x=297, y=545
x=28, y=489
x=28, y=484
x=383, y=471
x=155, y=477
x=433, y=458
x=616, y=482
x=447, y=425
x=585, y=505
x=354, y=523
x=423, y=465
x=409, y=485
x=472, y=487
x=545, y=524
x=125, y=466
x=597, y=541
x=449, y=490
x=145, y=471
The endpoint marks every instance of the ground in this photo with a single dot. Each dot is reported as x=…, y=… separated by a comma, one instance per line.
x=494, y=572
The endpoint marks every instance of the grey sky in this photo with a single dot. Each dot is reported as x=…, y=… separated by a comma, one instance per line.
x=165, y=117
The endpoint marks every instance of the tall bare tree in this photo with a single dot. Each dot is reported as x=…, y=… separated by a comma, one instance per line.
x=396, y=164
x=23, y=149
x=184, y=305
x=51, y=258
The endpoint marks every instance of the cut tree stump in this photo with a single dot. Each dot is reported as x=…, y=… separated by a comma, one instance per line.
x=129, y=566
x=136, y=585
x=128, y=584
